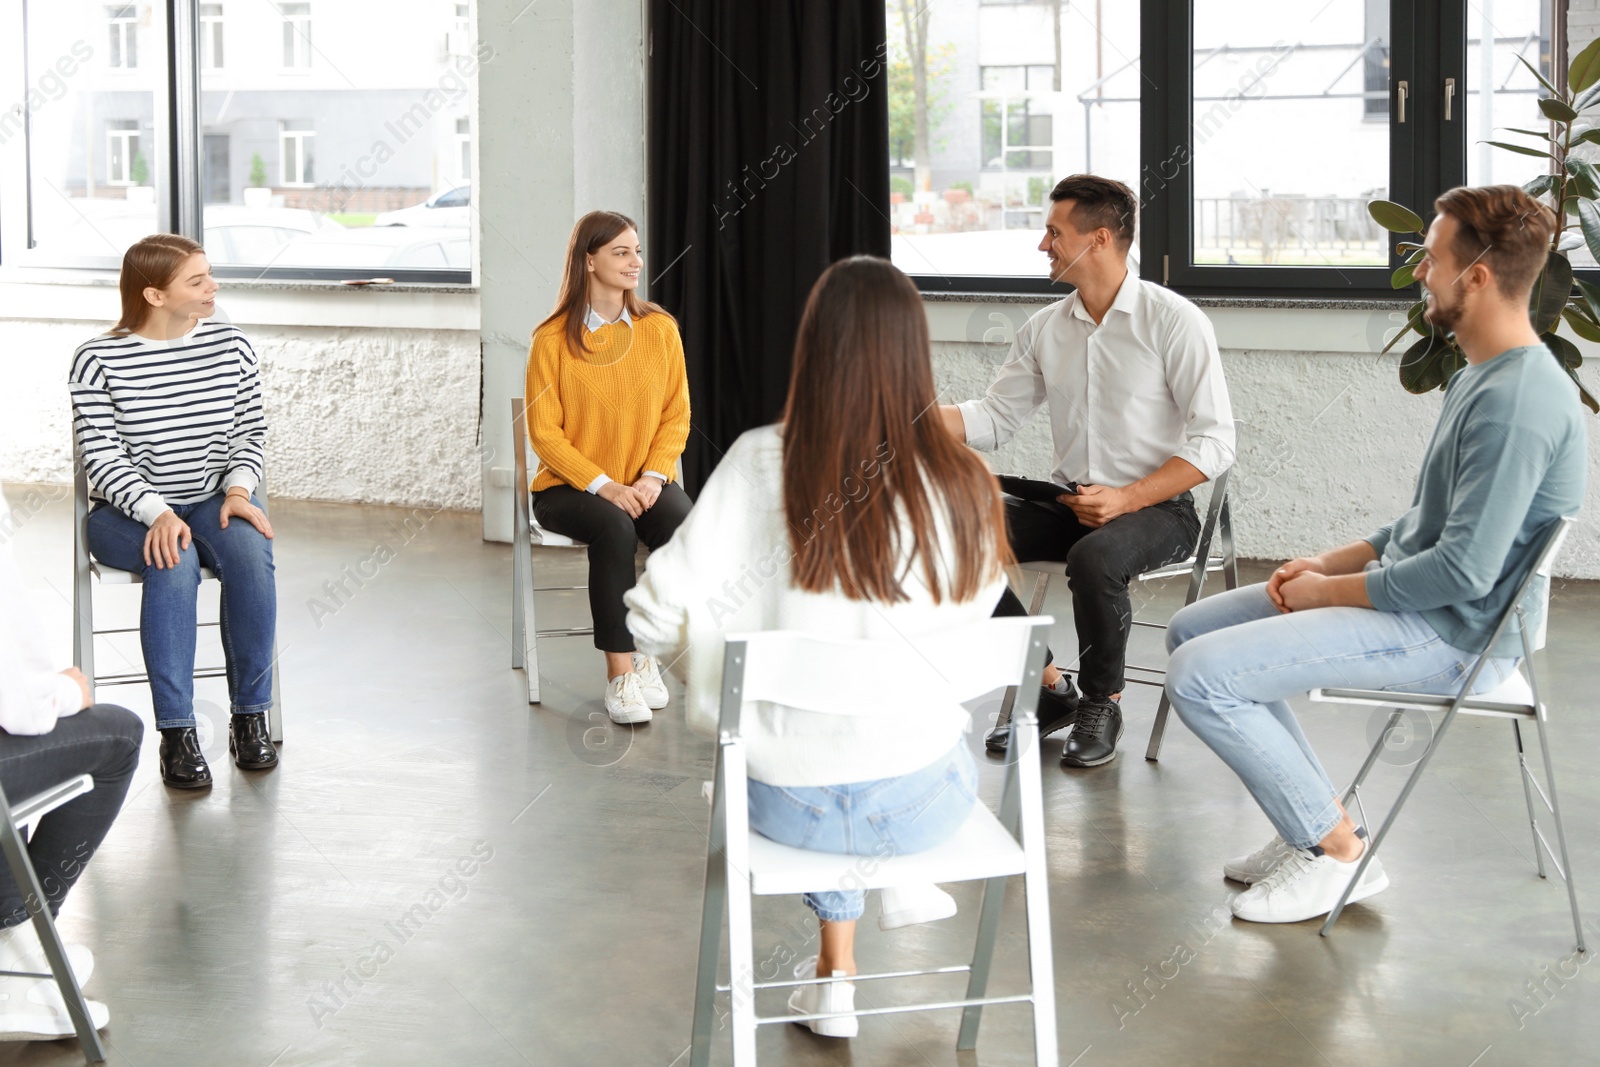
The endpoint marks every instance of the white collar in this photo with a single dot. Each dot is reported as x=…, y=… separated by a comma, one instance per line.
x=592, y=320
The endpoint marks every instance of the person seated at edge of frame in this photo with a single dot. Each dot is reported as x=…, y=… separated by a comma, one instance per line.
x=49, y=734
x=1139, y=416
x=852, y=518
x=166, y=409
x=1411, y=607
x=608, y=416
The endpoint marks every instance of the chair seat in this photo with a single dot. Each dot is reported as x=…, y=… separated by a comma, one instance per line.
x=113, y=576
x=1512, y=697
x=549, y=539
x=980, y=849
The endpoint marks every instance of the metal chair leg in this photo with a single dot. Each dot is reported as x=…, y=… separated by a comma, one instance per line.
x=712, y=909
x=1041, y=584
x=994, y=895
x=1376, y=840
x=23, y=874
x=1527, y=796
x=1568, y=874
x=1152, y=751
x=275, y=708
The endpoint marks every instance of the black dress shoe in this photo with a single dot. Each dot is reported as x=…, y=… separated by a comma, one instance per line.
x=1094, y=738
x=1056, y=712
x=249, y=744
x=183, y=765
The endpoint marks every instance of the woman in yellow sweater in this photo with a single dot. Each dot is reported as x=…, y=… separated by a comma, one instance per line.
x=608, y=416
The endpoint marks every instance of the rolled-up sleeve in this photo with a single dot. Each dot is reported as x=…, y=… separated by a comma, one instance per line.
x=1194, y=374
x=1018, y=391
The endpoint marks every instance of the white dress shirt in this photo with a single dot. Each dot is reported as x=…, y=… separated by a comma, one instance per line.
x=1125, y=396
x=593, y=322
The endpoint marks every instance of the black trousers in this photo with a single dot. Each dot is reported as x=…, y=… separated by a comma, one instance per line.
x=101, y=741
x=1101, y=562
x=613, y=539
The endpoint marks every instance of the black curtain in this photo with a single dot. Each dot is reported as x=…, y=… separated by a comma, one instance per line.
x=768, y=160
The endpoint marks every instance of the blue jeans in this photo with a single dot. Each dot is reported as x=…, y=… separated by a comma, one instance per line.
x=1236, y=659
x=241, y=558
x=875, y=820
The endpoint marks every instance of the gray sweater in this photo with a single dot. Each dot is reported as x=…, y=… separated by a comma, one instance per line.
x=1508, y=456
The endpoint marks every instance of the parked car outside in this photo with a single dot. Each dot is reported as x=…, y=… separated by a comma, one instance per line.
x=373, y=248
x=447, y=207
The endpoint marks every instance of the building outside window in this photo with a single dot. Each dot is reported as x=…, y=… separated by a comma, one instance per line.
x=124, y=24
x=296, y=35
x=123, y=159
x=464, y=149
x=295, y=140
x=211, y=54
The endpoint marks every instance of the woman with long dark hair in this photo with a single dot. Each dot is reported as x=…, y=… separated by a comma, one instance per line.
x=855, y=517
x=608, y=416
x=166, y=410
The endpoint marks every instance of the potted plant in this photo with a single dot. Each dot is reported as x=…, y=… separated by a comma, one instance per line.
x=140, y=192
x=1572, y=188
x=257, y=193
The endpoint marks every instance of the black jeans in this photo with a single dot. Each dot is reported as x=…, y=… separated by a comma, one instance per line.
x=613, y=539
x=1101, y=562
x=102, y=741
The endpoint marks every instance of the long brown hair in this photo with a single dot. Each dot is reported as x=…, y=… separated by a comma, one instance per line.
x=863, y=444
x=592, y=233
x=152, y=261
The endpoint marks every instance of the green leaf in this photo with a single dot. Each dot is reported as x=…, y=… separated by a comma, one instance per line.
x=1428, y=364
x=1586, y=98
x=1563, y=349
x=1521, y=150
x=1588, y=172
x=1544, y=183
x=1413, y=322
x=1551, y=89
x=1407, y=246
x=1583, y=394
x=1585, y=68
x=1394, y=217
x=1557, y=110
x=1589, y=220
x=1591, y=297
x=1416, y=256
x=1402, y=277
x=1550, y=293
x=1582, y=325
x=1543, y=135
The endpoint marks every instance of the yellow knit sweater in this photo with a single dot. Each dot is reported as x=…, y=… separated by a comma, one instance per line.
x=620, y=409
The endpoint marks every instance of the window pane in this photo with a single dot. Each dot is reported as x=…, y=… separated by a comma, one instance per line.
x=975, y=152
x=305, y=159
x=1289, y=139
x=92, y=136
x=1501, y=92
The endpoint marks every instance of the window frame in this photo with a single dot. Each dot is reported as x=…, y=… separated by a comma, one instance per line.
x=124, y=30
x=297, y=37
x=1428, y=43
x=176, y=164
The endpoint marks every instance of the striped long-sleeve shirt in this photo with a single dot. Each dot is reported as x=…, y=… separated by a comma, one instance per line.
x=160, y=423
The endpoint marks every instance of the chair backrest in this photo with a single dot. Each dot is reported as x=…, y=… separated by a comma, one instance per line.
x=858, y=677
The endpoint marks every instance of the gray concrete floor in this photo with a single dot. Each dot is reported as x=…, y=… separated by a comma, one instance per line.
x=263, y=923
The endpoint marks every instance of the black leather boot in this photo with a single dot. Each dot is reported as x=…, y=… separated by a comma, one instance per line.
x=1094, y=737
x=249, y=744
x=183, y=765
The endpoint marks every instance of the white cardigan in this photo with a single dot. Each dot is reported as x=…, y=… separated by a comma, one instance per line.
x=32, y=694
x=727, y=570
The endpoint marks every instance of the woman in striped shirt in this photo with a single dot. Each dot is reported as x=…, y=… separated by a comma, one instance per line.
x=167, y=418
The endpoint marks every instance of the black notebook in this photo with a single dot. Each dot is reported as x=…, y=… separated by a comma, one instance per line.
x=1033, y=489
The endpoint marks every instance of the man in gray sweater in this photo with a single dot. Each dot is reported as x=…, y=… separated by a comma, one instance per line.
x=1413, y=605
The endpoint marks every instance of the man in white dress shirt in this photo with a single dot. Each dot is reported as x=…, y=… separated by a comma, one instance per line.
x=1139, y=416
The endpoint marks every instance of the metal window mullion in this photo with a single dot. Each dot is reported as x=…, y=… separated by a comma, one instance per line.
x=181, y=204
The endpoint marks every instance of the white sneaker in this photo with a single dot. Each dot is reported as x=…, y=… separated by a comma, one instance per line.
x=1260, y=863
x=20, y=951
x=651, y=684
x=32, y=1010
x=908, y=905
x=835, y=996
x=624, y=701
x=1304, y=886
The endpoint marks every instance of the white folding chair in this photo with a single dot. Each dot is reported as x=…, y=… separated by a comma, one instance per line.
x=1218, y=526
x=1517, y=699
x=525, y=534
x=88, y=571
x=12, y=820
x=854, y=677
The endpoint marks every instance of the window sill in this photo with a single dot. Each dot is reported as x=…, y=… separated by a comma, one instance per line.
x=1280, y=302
